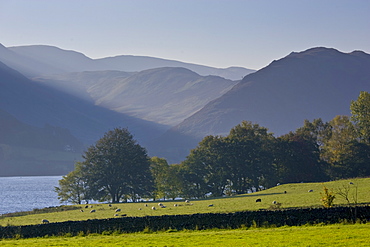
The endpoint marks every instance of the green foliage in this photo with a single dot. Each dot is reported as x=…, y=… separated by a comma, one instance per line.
x=72, y=187
x=360, y=110
x=115, y=168
x=327, y=197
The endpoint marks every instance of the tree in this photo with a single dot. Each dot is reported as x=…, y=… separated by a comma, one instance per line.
x=116, y=168
x=338, y=146
x=206, y=167
x=250, y=157
x=297, y=159
x=360, y=110
x=72, y=187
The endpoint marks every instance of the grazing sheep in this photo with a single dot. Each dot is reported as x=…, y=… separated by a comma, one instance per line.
x=81, y=211
x=350, y=183
x=274, y=202
x=139, y=208
x=110, y=205
x=146, y=205
x=210, y=205
x=175, y=205
x=310, y=191
x=44, y=221
x=91, y=206
x=116, y=215
x=163, y=206
x=259, y=200
x=93, y=211
x=285, y=192
x=153, y=208
x=86, y=206
x=118, y=210
x=160, y=204
x=186, y=201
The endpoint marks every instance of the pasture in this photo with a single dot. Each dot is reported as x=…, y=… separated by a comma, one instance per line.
x=296, y=195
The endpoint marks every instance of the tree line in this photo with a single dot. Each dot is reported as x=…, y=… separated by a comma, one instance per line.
x=249, y=158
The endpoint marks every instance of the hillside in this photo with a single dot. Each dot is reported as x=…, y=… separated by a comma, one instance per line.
x=164, y=95
x=316, y=83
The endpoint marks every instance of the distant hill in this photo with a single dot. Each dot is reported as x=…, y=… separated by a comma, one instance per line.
x=139, y=63
x=316, y=83
x=35, y=60
x=164, y=95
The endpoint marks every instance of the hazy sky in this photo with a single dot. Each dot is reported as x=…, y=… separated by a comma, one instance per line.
x=249, y=33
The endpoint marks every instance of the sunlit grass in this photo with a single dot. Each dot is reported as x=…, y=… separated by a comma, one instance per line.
x=331, y=235
x=297, y=196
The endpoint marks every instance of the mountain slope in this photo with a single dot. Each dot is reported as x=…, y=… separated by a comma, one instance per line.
x=164, y=95
x=319, y=82
x=38, y=105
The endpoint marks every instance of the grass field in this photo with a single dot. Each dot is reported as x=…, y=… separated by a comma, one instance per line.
x=297, y=196
x=331, y=235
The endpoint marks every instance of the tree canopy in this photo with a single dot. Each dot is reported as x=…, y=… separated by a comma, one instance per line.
x=115, y=168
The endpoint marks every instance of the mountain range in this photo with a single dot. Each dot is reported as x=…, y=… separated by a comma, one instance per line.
x=169, y=109
x=35, y=60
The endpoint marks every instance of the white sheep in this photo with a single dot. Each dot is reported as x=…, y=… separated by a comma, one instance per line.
x=153, y=208
x=175, y=205
x=310, y=191
x=116, y=215
x=44, y=221
x=93, y=211
x=160, y=204
x=118, y=210
x=186, y=201
x=210, y=205
x=274, y=202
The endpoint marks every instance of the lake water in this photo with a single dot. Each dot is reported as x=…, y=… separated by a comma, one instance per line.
x=27, y=193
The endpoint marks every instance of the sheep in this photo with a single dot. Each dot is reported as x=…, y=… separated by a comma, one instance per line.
x=350, y=183
x=259, y=200
x=310, y=191
x=116, y=215
x=274, y=202
x=118, y=210
x=86, y=206
x=44, y=221
x=93, y=211
x=153, y=208
x=186, y=201
x=81, y=211
x=163, y=206
x=91, y=206
x=110, y=205
x=285, y=192
x=139, y=208
x=210, y=205
x=160, y=204
x=175, y=205
x=146, y=205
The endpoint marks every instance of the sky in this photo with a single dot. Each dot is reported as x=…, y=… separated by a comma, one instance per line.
x=217, y=33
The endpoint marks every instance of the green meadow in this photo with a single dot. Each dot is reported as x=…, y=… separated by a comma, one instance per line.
x=330, y=235
x=296, y=195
